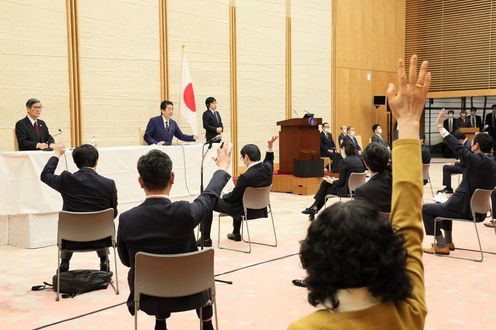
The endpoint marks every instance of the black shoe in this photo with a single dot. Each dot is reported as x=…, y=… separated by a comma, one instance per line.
x=206, y=243
x=234, y=237
x=310, y=210
x=446, y=190
x=64, y=266
x=300, y=283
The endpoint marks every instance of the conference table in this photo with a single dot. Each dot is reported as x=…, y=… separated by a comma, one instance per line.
x=29, y=208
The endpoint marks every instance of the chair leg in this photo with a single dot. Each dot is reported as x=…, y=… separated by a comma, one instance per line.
x=201, y=318
x=478, y=240
x=231, y=249
x=432, y=190
x=274, y=230
x=58, y=275
x=135, y=317
x=214, y=306
x=116, y=274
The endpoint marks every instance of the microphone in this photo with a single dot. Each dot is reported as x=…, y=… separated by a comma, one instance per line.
x=305, y=111
x=216, y=138
x=485, y=128
x=297, y=115
x=59, y=132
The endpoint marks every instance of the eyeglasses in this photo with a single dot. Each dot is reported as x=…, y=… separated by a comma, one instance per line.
x=37, y=107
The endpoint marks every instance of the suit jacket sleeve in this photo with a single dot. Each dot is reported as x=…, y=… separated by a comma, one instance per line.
x=150, y=129
x=184, y=137
x=343, y=175
x=208, y=124
x=23, y=137
x=375, y=138
x=461, y=152
x=48, y=176
x=114, y=199
x=121, y=245
x=236, y=195
x=323, y=148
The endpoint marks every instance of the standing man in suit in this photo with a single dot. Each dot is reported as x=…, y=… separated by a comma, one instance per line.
x=378, y=137
x=479, y=172
x=161, y=129
x=491, y=122
x=377, y=191
x=258, y=174
x=450, y=124
x=328, y=147
x=473, y=120
x=333, y=186
x=462, y=120
x=32, y=132
x=161, y=226
x=82, y=191
x=350, y=137
x=456, y=168
x=212, y=123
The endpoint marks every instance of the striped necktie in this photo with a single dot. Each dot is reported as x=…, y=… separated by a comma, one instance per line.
x=166, y=128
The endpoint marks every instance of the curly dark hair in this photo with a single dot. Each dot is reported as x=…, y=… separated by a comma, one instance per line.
x=349, y=246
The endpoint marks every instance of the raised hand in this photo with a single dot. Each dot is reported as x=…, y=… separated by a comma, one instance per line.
x=223, y=159
x=440, y=118
x=270, y=142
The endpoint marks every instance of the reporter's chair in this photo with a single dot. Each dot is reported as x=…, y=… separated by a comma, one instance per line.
x=86, y=227
x=174, y=275
x=254, y=198
x=480, y=203
x=354, y=181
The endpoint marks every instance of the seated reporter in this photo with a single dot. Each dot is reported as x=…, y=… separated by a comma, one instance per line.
x=377, y=191
x=258, y=174
x=479, y=172
x=364, y=272
x=378, y=137
x=333, y=186
x=328, y=147
x=161, y=226
x=457, y=167
x=82, y=191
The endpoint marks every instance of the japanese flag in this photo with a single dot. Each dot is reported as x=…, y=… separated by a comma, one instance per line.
x=187, y=106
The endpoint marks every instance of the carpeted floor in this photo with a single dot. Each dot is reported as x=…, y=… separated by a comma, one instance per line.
x=460, y=293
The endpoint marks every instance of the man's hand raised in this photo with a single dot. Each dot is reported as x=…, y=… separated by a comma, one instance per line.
x=223, y=159
x=270, y=142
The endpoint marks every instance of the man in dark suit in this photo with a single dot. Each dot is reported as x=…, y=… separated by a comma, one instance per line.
x=377, y=136
x=212, y=122
x=473, y=120
x=342, y=135
x=82, y=191
x=491, y=122
x=328, y=147
x=161, y=129
x=333, y=186
x=32, y=132
x=456, y=168
x=377, y=191
x=161, y=226
x=479, y=172
x=450, y=124
x=350, y=137
x=258, y=174
x=462, y=120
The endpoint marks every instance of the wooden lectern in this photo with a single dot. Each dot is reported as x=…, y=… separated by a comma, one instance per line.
x=296, y=138
x=469, y=132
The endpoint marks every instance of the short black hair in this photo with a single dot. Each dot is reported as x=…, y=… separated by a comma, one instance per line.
x=485, y=142
x=493, y=106
x=459, y=135
x=376, y=156
x=463, y=111
x=473, y=109
x=451, y=111
x=85, y=155
x=374, y=127
x=209, y=100
x=324, y=123
x=349, y=246
x=155, y=169
x=349, y=149
x=31, y=102
x=348, y=128
x=164, y=104
x=252, y=151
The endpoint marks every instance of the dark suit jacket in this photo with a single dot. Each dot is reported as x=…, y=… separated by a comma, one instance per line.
x=478, y=121
x=426, y=154
x=462, y=123
x=347, y=166
x=155, y=131
x=377, y=191
x=163, y=227
x=381, y=140
x=341, y=139
x=26, y=135
x=326, y=144
x=210, y=124
x=354, y=142
x=480, y=172
x=82, y=191
x=489, y=121
x=455, y=125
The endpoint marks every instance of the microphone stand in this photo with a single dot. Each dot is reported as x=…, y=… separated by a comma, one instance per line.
x=202, y=222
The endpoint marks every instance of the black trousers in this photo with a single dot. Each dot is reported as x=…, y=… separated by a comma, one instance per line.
x=234, y=210
x=207, y=313
x=68, y=255
x=448, y=170
x=324, y=189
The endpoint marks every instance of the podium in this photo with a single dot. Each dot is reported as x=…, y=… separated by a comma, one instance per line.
x=298, y=140
x=469, y=132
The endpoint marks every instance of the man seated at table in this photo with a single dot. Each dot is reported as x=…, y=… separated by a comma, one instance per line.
x=258, y=174
x=161, y=226
x=82, y=191
x=32, y=132
x=161, y=129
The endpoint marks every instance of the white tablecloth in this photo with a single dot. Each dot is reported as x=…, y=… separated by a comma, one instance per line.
x=25, y=197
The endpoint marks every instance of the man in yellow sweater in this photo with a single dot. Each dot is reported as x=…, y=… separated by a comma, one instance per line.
x=362, y=273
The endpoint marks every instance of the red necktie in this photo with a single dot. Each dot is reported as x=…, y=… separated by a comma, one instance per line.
x=37, y=129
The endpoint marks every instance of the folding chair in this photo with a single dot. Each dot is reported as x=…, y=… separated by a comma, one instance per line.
x=174, y=275
x=480, y=203
x=86, y=227
x=254, y=198
x=426, y=175
x=355, y=180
